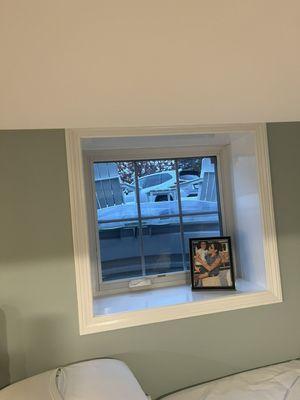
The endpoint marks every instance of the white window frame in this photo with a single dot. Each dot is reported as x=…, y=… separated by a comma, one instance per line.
x=88, y=323
x=157, y=281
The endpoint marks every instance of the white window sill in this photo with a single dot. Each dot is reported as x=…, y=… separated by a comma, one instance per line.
x=167, y=296
x=165, y=304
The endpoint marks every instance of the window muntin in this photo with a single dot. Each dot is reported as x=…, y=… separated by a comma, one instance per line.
x=148, y=209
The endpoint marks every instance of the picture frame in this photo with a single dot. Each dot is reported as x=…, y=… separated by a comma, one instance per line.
x=211, y=263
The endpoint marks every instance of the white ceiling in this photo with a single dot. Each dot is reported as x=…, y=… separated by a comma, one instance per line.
x=94, y=63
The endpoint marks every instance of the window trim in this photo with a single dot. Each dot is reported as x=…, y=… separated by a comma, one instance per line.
x=88, y=323
x=121, y=285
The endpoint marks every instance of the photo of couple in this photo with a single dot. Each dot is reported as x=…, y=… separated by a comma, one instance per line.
x=211, y=263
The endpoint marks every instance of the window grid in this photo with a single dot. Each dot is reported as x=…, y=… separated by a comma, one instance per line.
x=181, y=214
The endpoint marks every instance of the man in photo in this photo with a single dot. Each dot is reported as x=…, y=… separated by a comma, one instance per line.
x=209, y=265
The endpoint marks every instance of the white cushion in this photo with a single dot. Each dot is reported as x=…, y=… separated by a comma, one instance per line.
x=99, y=380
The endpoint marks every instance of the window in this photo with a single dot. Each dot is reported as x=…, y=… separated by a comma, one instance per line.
x=140, y=184
x=146, y=211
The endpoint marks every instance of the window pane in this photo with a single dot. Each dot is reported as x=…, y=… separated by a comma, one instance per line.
x=157, y=187
x=128, y=253
x=197, y=226
x=198, y=186
x=120, y=250
x=115, y=190
x=162, y=245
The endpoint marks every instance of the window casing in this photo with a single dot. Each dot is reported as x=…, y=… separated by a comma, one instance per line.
x=247, y=213
x=144, y=225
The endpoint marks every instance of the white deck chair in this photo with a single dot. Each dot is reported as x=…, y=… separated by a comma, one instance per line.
x=208, y=190
x=107, y=185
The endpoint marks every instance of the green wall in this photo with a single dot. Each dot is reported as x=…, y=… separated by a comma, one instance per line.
x=38, y=309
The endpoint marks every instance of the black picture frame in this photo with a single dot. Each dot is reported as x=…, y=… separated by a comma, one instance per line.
x=221, y=276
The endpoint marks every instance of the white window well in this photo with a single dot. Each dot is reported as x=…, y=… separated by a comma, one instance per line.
x=139, y=194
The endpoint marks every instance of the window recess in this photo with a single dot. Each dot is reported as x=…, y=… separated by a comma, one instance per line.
x=135, y=200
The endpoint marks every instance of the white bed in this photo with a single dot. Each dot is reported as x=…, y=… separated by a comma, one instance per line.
x=276, y=382
x=106, y=379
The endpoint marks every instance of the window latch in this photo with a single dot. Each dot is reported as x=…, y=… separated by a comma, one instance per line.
x=140, y=283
